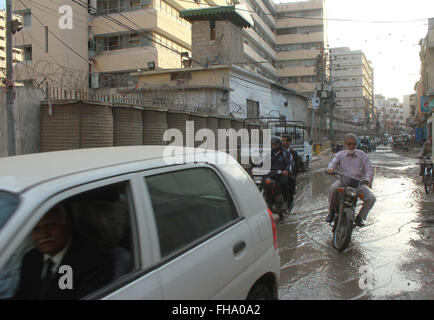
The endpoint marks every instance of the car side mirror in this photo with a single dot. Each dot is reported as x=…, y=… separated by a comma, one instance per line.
x=310, y=141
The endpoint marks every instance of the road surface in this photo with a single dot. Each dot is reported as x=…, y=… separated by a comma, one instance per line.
x=393, y=253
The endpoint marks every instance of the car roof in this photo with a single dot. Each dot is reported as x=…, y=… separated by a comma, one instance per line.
x=18, y=173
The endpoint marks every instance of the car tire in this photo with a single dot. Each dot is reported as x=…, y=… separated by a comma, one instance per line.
x=260, y=292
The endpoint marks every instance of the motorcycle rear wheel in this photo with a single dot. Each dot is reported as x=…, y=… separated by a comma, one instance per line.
x=342, y=231
x=427, y=181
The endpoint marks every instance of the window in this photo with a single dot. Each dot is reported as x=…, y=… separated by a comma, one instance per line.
x=134, y=40
x=299, y=30
x=27, y=53
x=252, y=109
x=181, y=75
x=135, y=4
x=102, y=6
x=189, y=205
x=113, y=43
x=113, y=6
x=92, y=233
x=212, y=29
x=8, y=204
x=122, y=41
x=27, y=19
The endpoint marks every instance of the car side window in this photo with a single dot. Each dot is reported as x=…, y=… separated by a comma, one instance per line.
x=189, y=205
x=79, y=246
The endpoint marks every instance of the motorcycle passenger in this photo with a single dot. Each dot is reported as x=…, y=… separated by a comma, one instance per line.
x=279, y=161
x=295, y=168
x=355, y=164
x=425, y=151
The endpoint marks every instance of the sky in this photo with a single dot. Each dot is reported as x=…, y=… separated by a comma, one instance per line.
x=392, y=47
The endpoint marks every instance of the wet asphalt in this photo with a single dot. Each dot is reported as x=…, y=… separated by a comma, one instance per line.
x=392, y=257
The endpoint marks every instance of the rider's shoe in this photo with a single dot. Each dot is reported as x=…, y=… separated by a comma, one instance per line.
x=359, y=222
x=330, y=217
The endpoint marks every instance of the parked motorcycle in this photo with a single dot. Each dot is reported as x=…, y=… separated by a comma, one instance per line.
x=364, y=147
x=427, y=174
x=400, y=145
x=274, y=200
x=343, y=222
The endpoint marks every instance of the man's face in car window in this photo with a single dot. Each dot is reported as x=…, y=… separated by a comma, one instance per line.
x=51, y=234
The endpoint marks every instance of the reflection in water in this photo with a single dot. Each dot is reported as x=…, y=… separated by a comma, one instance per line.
x=396, y=243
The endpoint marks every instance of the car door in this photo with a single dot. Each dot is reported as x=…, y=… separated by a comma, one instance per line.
x=204, y=242
x=102, y=215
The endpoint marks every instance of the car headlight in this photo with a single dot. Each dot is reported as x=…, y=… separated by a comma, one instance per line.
x=257, y=180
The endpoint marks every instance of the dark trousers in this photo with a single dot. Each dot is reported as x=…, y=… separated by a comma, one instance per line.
x=291, y=189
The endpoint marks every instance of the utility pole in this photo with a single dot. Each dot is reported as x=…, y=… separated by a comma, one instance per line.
x=9, y=82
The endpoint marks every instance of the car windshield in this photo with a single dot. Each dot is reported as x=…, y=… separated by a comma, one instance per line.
x=8, y=205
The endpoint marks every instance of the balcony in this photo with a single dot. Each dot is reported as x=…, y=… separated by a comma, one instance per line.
x=297, y=55
x=300, y=38
x=295, y=71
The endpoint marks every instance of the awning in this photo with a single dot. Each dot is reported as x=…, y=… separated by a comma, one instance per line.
x=237, y=14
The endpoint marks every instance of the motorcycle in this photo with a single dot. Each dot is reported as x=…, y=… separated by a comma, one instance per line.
x=274, y=201
x=427, y=174
x=400, y=145
x=343, y=221
x=364, y=147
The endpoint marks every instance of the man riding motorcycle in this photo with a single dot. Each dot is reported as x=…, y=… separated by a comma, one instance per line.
x=279, y=161
x=355, y=164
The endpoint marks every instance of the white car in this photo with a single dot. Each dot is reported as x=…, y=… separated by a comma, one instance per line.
x=131, y=223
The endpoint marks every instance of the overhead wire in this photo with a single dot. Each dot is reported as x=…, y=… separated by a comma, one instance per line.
x=318, y=18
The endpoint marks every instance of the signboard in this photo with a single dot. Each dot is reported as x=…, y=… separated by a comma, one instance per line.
x=315, y=103
x=424, y=104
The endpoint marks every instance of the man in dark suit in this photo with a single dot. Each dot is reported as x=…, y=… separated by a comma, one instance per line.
x=55, y=246
x=295, y=161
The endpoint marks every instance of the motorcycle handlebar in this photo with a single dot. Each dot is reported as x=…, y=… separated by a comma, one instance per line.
x=337, y=173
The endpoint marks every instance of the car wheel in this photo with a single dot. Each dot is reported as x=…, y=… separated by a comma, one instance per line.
x=260, y=292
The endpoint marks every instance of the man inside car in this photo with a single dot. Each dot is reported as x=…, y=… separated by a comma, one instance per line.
x=55, y=246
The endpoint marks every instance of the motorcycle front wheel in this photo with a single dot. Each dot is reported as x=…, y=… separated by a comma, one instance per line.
x=342, y=231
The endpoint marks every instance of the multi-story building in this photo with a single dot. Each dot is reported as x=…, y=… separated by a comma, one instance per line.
x=353, y=81
x=394, y=116
x=17, y=54
x=301, y=32
x=111, y=38
x=425, y=86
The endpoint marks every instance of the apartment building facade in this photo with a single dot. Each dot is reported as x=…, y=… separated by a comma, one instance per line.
x=110, y=39
x=17, y=54
x=301, y=32
x=425, y=85
x=394, y=114
x=353, y=81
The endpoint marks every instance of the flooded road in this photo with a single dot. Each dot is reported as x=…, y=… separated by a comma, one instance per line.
x=394, y=252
